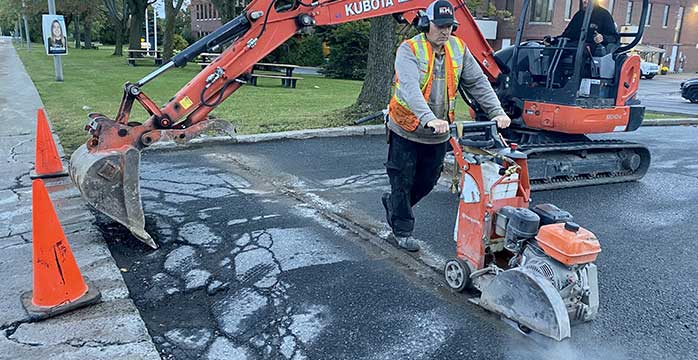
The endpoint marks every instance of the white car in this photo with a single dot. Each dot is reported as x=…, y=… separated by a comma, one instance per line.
x=648, y=70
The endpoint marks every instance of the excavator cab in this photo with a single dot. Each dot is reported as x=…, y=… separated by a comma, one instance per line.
x=568, y=72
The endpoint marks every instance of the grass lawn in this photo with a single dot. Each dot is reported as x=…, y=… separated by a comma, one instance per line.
x=659, y=115
x=94, y=83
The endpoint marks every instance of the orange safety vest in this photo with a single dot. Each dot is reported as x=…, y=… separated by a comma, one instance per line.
x=398, y=109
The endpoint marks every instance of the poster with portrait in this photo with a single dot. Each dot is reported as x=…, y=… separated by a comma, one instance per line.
x=55, y=35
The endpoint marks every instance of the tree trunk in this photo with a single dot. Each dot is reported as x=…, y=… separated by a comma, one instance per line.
x=77, y=31
x=375, y=92
x=137, y=12
x=171, y=11
x=117, y=12
x=88, y=33
x=119, y=40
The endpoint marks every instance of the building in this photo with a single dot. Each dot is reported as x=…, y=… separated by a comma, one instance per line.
x=204, y=18
x=670, y=37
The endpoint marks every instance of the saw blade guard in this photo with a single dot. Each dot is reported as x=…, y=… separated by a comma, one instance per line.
x=528, y=299
x=109, y=182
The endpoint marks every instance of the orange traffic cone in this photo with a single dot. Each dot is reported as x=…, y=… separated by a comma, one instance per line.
x=48, y=163
x=58, y=285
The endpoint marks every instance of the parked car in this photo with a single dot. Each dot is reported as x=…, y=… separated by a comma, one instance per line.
x=648, y=70
x=689, y=90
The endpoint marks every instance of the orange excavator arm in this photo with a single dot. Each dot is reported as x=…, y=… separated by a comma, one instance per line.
x=105, y=169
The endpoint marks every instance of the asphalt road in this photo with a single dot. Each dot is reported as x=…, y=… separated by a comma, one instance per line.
x=663, y=94
x=245, y=269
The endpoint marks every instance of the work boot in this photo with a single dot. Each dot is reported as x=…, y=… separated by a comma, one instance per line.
x=407, y=242
x=385, y=199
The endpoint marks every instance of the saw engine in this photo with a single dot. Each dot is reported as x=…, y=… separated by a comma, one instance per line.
x=557, y=249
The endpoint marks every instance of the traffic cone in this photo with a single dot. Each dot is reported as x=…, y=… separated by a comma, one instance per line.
x=48, y=164
x=58, y=285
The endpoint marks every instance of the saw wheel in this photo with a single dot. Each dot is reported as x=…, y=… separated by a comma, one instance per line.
x=457, y=274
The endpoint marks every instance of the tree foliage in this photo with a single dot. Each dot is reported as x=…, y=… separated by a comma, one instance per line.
x=348, y=45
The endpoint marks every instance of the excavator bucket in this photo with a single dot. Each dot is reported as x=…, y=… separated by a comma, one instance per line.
x=529, y=300
x=108, y=180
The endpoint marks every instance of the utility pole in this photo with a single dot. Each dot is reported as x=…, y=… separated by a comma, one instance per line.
x=26, y=25
x=57, y=64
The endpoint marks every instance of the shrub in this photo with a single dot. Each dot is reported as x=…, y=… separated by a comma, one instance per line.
x=348, y=50
x=179, y=42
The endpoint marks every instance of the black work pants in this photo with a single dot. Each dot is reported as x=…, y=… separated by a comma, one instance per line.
x=413, y=169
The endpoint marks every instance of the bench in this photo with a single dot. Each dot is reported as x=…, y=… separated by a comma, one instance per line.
x=134, y=55
x=207, y=59
x=286, y=81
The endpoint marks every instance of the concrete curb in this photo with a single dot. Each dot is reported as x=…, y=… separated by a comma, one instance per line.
x=284, y=135
x=336, y=132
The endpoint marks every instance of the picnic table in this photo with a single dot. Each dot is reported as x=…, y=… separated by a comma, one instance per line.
x=140, y=54
x=287, y=80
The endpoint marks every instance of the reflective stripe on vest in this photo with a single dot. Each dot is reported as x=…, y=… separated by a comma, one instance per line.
x=398, y=109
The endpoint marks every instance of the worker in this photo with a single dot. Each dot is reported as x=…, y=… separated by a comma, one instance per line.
x=602, y=29
x=428, y=68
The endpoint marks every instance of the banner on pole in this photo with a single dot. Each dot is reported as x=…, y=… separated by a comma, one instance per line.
x=54, y=30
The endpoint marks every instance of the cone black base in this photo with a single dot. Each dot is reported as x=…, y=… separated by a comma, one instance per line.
x=33, y=175
x=37, y=313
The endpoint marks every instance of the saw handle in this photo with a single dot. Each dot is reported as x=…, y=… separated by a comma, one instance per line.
x=480, y=134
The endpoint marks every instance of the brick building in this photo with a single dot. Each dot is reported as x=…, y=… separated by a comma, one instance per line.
x=204, y=18
x=670, y=36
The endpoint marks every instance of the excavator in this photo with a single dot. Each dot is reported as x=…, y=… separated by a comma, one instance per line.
x=555, y=95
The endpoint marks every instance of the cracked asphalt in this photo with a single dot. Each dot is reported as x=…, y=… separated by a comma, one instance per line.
x=277, y=250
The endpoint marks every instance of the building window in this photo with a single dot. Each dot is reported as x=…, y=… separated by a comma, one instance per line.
x=679, y=24
x=568, y=9
x=629, y=13
x=198, y=11
x=649, y=14
x=542, y=11
x=665, y=17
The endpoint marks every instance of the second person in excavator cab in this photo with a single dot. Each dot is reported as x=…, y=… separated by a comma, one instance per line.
x=428, y=69
x=602, y=36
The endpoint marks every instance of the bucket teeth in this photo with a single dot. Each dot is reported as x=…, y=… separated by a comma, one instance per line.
x=109, y=181
x=529, y=300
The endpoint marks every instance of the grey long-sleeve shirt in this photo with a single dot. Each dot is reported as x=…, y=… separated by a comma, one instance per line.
x=407, y=71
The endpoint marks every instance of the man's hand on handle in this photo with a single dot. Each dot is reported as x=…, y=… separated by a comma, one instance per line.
x=502, y=121
x=439, y=126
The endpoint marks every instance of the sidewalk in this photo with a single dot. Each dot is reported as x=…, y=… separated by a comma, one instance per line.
x=111, y=329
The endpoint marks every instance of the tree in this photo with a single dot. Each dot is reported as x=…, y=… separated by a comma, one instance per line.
x=136, y=9
x=375, y=91
x=117, y=12
x=172, y=8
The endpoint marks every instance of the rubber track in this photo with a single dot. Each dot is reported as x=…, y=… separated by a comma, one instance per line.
x=585, y=180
